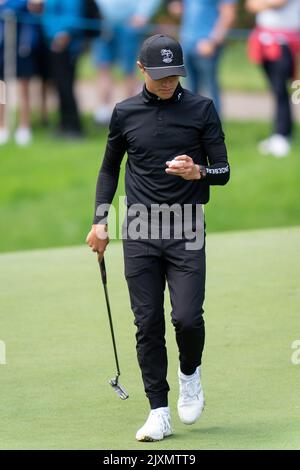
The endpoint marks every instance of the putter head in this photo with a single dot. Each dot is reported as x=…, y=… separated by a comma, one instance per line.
x=119, y=389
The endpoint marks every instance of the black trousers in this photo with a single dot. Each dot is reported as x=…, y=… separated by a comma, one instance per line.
x=63, y=74
x=149, y=265
x=279, y=73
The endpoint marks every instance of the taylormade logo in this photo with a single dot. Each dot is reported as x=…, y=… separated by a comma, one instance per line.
x=295, y=358
x=2, y=353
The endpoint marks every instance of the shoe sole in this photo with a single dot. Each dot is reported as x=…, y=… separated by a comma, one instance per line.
x=193, y=422
x=151, y=439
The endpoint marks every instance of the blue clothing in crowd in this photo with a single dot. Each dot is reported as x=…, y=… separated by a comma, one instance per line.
x=119, y=11
x=198, y=23
x=28, y=38
x=64, y=17
x=199, y=19
x=120, y=41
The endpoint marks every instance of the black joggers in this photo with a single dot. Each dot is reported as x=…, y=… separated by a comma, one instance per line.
x=279, y=73
x=63, y=74
x=149, y=264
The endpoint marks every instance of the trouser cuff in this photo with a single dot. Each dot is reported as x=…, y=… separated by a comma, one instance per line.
x=158, y=401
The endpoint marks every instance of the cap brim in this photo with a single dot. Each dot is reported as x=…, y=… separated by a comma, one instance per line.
x=156, y=73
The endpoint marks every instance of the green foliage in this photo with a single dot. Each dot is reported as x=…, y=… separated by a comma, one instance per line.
x=237, y=73
x=47, y=190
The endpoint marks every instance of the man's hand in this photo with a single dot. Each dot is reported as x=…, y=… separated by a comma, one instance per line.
x=256, y=6
x=60, y=42
x=206, y=48
x=175, y=8
x=97, y=239
x=183, y=166
x=35, y=6
x=137, y=21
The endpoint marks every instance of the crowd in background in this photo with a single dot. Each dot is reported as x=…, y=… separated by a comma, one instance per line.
x=52, y=34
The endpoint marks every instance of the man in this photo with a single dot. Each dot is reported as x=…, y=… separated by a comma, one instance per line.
x=175, y=146
x=62, y=26
x=205, y=25
x=26, y=64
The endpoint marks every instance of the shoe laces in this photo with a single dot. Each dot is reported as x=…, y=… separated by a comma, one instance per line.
x=190, y=389
x=162, y=418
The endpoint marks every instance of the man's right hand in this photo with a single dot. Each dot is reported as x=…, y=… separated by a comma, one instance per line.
x=175, y=8
x=206, y=48
x=60, y=42
x=35, y=6
x=97, y=239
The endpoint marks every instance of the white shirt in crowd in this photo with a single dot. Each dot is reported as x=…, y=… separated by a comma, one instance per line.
x=286, y=17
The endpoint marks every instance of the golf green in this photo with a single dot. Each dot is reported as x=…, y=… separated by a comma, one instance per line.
x=54, y=386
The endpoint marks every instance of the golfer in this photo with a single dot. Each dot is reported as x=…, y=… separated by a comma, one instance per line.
x=176, y=151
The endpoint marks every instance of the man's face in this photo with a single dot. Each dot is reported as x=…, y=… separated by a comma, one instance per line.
x=163, y=88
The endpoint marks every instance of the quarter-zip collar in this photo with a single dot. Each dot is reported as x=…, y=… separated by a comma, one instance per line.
x=149, y=97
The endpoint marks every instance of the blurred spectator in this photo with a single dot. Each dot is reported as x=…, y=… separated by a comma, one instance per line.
x=42, y=59
x=274, y=44
x=205, y=24
x=124, y=26
x=62, y=24
x=43, y=72
x=28, y=42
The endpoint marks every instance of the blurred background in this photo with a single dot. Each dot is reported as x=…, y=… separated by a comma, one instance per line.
x=63, y=66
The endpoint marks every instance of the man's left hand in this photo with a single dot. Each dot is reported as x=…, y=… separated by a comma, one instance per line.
x=138, y=21
x=60, y=42
x=183, y=166
x=206, y=48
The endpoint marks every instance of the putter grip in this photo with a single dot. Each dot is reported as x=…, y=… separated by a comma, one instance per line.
x=103, y=271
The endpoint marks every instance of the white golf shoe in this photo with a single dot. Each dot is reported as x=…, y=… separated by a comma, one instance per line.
x=191, y=397
x=4, y=135
x=277, y=145
x=102, y=115
x=23, y=136
x=157, y=426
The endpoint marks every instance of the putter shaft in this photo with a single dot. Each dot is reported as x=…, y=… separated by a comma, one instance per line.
x=113, y=382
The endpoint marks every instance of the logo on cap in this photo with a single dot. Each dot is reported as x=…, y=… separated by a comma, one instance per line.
x=167, y=56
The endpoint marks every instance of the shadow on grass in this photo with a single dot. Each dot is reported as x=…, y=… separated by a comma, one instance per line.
x=254, y=435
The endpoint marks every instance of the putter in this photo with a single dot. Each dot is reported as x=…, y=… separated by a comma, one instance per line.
x=113, y=382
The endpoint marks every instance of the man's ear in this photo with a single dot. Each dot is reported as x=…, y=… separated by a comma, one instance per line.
x=141, y=67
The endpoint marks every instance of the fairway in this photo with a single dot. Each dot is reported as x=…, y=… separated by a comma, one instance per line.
x=54, y=391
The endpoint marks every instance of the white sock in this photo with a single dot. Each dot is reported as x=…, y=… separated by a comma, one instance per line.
x=187, y=377
x=163, y=409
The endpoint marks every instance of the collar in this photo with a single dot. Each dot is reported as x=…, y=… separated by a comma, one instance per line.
x=149, y=97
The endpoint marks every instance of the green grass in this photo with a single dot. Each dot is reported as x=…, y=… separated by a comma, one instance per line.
x=54, y=391
x=47, y=190
x=236, y=72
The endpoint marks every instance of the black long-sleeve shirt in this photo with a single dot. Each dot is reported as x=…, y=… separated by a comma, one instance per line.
x=153, y=131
